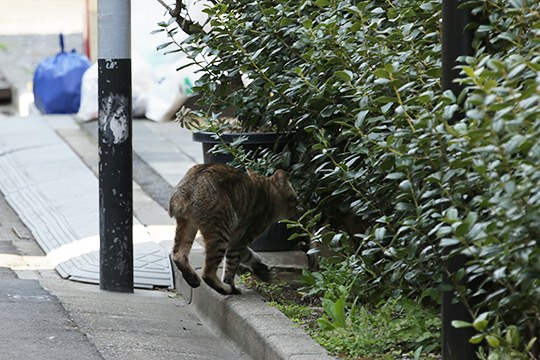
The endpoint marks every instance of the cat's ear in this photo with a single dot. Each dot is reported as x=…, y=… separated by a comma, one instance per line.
x=280, y=178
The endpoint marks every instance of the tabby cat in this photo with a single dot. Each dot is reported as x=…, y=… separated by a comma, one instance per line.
x=230, y=209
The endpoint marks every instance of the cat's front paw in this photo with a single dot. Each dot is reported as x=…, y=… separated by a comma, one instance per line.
x=192, y=279
x=188, y=274
x=220, y=287
x=228, y=290
x=233, y=289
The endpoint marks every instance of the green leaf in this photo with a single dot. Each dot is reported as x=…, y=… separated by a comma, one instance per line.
x=445, y=242
x=477, y=339
x=360, y=118
x=516, y=70
x=328, y=306
x=345, y=75
x=512, y=336
x=418, y=353
x=518, y=4
x=328, y=111
x=308, y=23
x=381, y=73
x=324, y=324
x=471, y=218
x=481, y=322
x=172, y=52
x=425, y=97
x=339, y=313
x=385, y=108
x=163, y=46
x=493, y=341
x=322, y=3
x=395, y=176
x=451, y=214
x=514, y=143
x=530, y=344
x=462, y=230
x=475, y=114
x=405, y=185
x=449, y=111
x=379, y=233
x=307, y=277
x=469, y=71
x=480, y=325
x=459, y=324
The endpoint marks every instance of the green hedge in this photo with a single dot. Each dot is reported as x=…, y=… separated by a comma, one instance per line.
x=358, y=83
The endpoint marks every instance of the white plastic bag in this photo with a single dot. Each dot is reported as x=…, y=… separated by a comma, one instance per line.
x=142, y=81
x=170, y=90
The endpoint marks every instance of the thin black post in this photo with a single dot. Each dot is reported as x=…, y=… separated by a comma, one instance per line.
x=115, y=151
x=455, y=42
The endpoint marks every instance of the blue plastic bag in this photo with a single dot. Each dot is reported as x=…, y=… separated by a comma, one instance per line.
x=57, y=82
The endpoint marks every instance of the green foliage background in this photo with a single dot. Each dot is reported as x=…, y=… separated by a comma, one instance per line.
x=357, y=83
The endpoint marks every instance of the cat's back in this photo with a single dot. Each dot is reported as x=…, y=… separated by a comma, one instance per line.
x=219, y=176
x=206, y=183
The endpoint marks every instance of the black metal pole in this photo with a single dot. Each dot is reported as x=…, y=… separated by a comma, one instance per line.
x=455, y=42
x=115, y=146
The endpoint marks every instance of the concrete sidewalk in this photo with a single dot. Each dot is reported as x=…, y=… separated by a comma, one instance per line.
x=162, y=324
x=45, y=317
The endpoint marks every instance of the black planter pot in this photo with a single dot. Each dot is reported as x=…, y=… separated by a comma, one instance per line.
x=275, y=238
x=254, y=141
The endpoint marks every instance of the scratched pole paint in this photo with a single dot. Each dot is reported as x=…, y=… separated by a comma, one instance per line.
x=115, y=146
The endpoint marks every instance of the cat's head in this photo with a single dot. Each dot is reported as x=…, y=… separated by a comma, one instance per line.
x=283, y=195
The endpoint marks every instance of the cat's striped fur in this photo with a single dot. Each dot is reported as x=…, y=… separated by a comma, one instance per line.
x=230, y=209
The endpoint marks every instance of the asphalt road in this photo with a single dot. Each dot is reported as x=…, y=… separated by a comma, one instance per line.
x=34, y=324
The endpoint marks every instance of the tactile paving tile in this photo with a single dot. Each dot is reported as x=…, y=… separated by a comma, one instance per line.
x=56, y=196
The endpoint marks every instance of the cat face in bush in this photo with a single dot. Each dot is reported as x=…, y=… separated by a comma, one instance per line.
x=283, y=196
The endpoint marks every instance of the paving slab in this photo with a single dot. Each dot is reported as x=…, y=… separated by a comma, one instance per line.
x=56, y=196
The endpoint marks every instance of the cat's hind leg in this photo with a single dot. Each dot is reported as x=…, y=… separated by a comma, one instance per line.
x=216, y=246
x=183, y=240
x=254, y=264
x=233, y=257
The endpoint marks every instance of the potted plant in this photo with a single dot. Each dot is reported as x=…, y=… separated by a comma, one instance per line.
x=230, y=123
